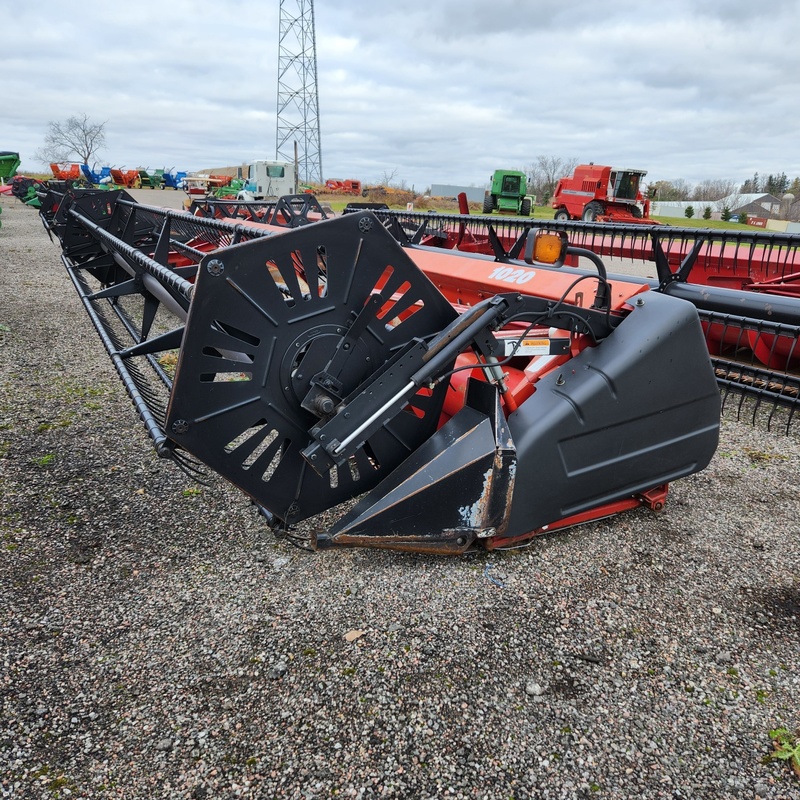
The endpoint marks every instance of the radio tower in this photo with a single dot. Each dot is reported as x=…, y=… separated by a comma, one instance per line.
x=298, y=93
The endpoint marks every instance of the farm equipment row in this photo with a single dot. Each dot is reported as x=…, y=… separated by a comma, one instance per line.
x=111, y=177
x=441, y=401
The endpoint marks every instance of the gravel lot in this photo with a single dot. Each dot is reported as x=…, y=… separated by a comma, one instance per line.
x=157, y=641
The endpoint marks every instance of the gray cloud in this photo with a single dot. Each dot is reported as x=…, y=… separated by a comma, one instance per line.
x=436, y=92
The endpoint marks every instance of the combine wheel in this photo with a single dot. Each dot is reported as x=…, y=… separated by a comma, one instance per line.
x=636, y=212
x=525, y=208
x=488, y=204
x=592, y=211
x=561, y=215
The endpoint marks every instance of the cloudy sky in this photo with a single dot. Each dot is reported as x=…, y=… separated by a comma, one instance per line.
x=430, y=91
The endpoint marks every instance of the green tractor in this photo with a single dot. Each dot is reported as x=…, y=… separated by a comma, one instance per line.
x=508, y=193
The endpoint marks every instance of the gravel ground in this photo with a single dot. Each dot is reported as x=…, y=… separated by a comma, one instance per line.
x=157, y=641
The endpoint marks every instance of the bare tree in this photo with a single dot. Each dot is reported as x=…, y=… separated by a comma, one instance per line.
x=683, y=188
x=388, y=177
x=713, y=189
x=669, y=190
x=77, y=138
x=544, y=173
x=731, y=201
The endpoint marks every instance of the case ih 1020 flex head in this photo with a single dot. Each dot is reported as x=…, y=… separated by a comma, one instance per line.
x=323, y=363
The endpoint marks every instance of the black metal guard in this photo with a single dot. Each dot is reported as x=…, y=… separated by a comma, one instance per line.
x=263, y=336
x=290, y=211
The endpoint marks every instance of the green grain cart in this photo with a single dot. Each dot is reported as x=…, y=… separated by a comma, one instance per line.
x=509, y=193
x=151, y=180
x=8, y=165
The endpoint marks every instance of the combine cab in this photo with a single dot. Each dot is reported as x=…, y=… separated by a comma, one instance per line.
x=602, y=194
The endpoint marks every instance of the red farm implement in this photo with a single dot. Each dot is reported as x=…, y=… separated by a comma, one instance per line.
x=200, y=186
x=66, y=172
x=126, y=178
x=463, y=400
x=347, y=186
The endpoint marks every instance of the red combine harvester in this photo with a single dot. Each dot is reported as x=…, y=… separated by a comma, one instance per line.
x=602, y=194
x=463, y=402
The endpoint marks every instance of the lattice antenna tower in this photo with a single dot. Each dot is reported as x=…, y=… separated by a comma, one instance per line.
x=298, y=91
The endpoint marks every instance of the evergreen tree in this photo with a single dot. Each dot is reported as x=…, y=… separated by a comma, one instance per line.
x=751, y=185
x=771, y=184
x=707, y=212
x=777, y=184
x=689, y=213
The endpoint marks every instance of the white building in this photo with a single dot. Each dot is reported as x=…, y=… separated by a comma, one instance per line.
x=758, y=204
